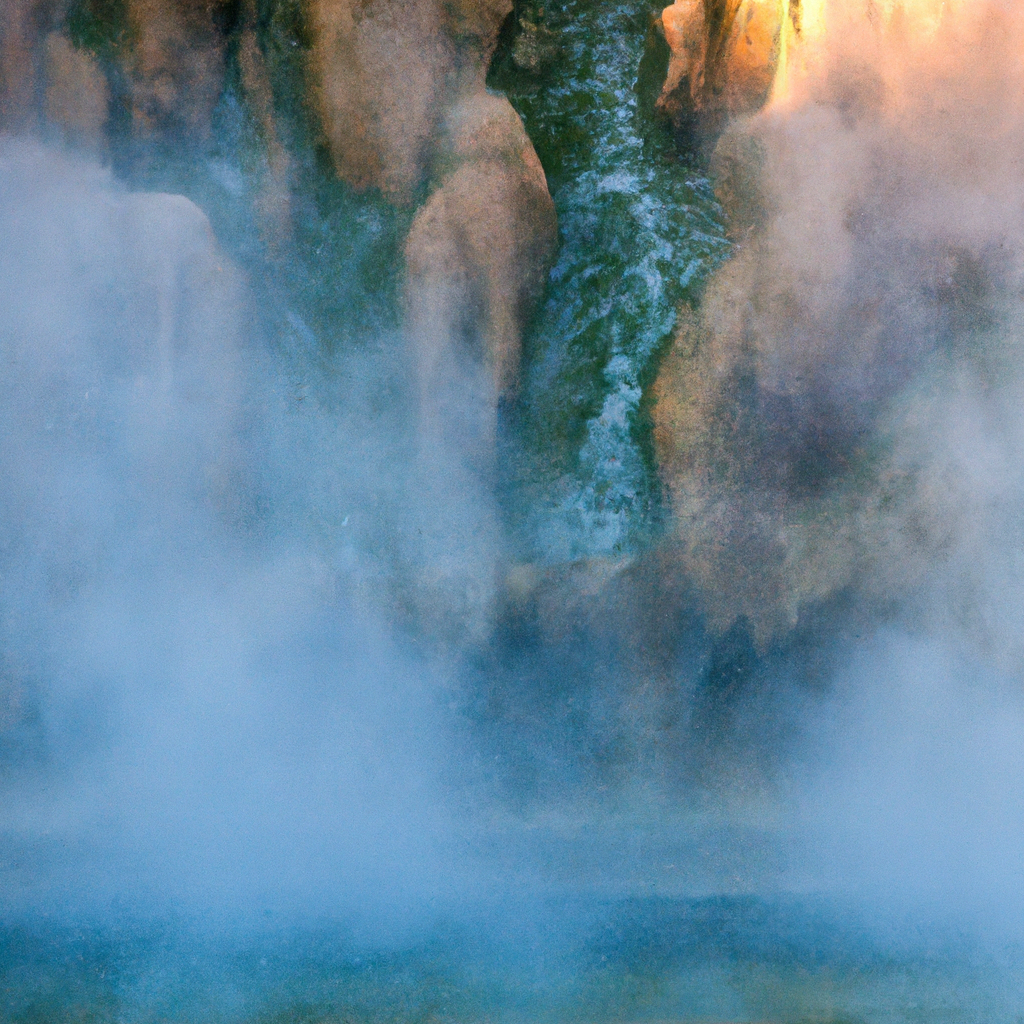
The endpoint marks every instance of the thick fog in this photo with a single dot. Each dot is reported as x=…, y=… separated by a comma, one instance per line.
x=206, y=706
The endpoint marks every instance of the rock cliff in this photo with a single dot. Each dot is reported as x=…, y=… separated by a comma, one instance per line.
x=813, y=420
x=404, y=104
x=386, y=73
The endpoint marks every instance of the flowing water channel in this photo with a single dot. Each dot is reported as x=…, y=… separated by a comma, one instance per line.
x=640, y=231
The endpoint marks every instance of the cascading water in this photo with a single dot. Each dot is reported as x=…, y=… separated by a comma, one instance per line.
x=640, y=231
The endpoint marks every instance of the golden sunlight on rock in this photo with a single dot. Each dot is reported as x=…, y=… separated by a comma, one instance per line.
x=795, y=436
x=727, y=58
x=723, y=55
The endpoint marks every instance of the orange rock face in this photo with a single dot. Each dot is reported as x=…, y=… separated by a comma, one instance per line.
x=813, y=419
x=723, y=57
x=477, y=257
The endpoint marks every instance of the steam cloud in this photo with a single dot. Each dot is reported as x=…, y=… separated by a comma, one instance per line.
x=841, y=412
x=201, y=705
x=839, y=423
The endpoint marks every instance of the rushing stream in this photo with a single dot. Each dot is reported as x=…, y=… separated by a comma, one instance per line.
x=640, y=231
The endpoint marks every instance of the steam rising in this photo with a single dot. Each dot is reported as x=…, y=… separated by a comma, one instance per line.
x=200, y=711
x=919, y=799
x=846, y=417
x=839, y=425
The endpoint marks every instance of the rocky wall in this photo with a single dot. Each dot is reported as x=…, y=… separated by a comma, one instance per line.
x=818, y=420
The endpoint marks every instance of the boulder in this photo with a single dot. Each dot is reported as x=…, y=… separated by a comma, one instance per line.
x=477, y=257
x=176, y=65
x=385, y=74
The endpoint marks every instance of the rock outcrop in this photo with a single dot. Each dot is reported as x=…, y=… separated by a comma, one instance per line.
x=401, y=94
x=24, y=25
x=77, y=97
x=386, y=73
x=727, y=58
x=723, y=56
x=43, y=75
x=172, y=55
x=816, y=419
x=477, y=256
x=403, y=101
x=176, y=65
x=404, y=106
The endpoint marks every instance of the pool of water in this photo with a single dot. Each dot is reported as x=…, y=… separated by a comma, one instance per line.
x=643, y=960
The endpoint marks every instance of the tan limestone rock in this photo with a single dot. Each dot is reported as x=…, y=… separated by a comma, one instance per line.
x=176, y=66
x=477, y=258
x=77, y=96
x=385, y=73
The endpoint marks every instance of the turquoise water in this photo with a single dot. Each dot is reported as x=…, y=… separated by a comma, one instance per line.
x=719, y=959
